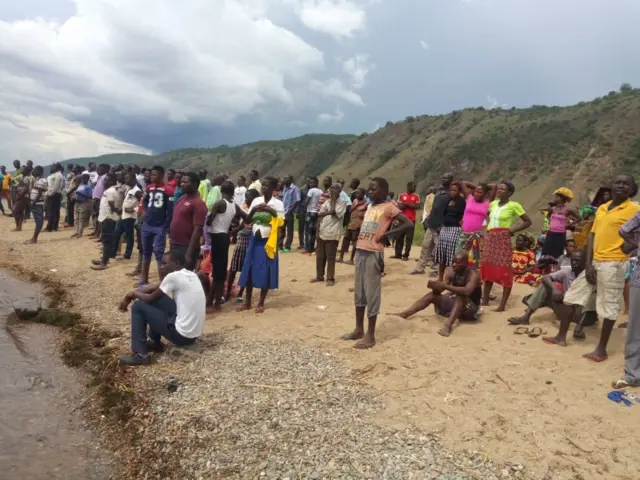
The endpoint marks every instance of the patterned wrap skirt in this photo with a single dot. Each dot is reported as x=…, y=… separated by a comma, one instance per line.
x=472, y=243
x=447, y=245
x=497, y=261
x=239, y=253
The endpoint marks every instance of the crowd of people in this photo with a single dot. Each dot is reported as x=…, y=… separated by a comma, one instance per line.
x=580, y=265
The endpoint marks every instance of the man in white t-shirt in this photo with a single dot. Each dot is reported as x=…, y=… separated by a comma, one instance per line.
x=255, y=184
x=179, y=318
x=240, y=191
x=311, y=221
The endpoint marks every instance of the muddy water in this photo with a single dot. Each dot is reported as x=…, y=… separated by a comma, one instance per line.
x=41, y=436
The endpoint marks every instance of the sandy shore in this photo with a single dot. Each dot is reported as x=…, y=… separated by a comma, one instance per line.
x=511, y=399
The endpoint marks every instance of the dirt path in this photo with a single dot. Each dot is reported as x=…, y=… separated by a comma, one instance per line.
x=511, y=398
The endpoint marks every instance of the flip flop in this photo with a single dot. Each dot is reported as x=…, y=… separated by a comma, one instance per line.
x=521, y=331
x=621, y=384
x=535, y=332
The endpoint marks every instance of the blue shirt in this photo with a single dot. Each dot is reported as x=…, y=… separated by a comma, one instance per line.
x=158, y=206
x=290, y=196
x=177, y=195
x=84, y=193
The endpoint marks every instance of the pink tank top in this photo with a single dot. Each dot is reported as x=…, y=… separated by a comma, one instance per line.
x=475, y=214
x=558, y=221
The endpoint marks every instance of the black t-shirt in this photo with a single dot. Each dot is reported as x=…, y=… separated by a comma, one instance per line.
x=453, y=212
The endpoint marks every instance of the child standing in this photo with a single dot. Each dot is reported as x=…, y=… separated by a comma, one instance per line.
x=369, y=259
x=358, y=208
x=240, y=250
x=82, y=205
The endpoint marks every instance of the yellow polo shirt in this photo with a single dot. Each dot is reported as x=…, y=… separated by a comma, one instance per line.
x=607, y=243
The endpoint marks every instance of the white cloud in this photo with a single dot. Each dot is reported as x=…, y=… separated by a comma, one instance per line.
x=338, y=18
x=331, y=117
x=424, y=44
x=297, y=123
x=119, y=62
x=334, y=89
x=46, y=138
x=358, y=68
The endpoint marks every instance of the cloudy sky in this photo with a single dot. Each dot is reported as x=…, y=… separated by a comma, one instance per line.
x=86, y=77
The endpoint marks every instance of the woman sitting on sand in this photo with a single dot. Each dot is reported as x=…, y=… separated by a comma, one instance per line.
x=260, y=269
x=506, y=218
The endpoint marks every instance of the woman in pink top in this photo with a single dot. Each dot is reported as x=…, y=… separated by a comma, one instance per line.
x=475, y=213
x=560, y=213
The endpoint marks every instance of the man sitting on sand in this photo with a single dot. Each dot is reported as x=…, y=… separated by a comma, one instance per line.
x=155, y=315
x=464, y=302
x=551, y=292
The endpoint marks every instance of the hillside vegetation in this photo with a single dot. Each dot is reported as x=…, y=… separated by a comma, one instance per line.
x=538, y=148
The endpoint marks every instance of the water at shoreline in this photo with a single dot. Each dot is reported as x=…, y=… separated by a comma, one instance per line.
x=41, y=437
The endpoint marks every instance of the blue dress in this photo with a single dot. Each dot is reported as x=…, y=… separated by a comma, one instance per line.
x=258, y=269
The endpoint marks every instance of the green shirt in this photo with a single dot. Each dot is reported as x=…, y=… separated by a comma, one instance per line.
x=214, y=195
x=504, y=216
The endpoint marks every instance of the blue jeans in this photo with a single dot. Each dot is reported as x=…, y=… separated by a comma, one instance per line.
x=310, y=232
x=124, y=226
x=153, y=321
x=154, y=241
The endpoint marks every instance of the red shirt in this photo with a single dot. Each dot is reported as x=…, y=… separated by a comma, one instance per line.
x=410, y=213
x=173, y=184
x=189, y=212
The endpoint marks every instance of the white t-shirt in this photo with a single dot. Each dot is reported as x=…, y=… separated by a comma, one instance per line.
x=185, y=288
x=105, y=212
x=93, y=177
x=314, y=196
x=238, y=196
x=257, y=185
x=130, y=201
x=274, y=203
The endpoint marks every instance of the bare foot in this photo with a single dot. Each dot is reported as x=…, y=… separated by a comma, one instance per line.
x=623, y=325
x=499, y=309
x=355, y=335
x=316, y=280
x=598, y=355
x=555, y=341
x=243, y=308
x=260, y=309
x=400, y=314
x=578, y=333
x=31, y=242
x=331, y=283
x=16, y=230
x=445, y=331
x=365, y=343
x=75, y=235
x=214, y=309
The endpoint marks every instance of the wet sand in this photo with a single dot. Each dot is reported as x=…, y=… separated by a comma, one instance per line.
x=42, y=436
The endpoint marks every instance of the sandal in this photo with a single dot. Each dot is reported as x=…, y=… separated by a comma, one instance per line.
x=521, y=331
x=535, y=332
x=621, y=384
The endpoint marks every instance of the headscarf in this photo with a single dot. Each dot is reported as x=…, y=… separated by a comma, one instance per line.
x=565, y=192
x=510, y=186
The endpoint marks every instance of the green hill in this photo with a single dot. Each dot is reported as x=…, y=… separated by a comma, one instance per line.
x=538, y=148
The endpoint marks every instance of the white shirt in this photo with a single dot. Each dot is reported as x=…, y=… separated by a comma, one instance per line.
x=185, y=288
x=314, y=195
x=55, y=182
x=238, y=196
x=105, y=212
x=130, y=201
x=274, y=203
x=257, y=185
x=140, y=180
x=93, y=177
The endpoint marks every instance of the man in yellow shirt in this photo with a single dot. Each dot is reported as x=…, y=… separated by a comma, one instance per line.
x=6, y=186
x=607, y=262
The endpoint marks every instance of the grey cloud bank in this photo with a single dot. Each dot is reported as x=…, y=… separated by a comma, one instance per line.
x=97, y=76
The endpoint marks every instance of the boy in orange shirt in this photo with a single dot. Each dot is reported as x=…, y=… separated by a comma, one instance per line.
x=369, y=260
